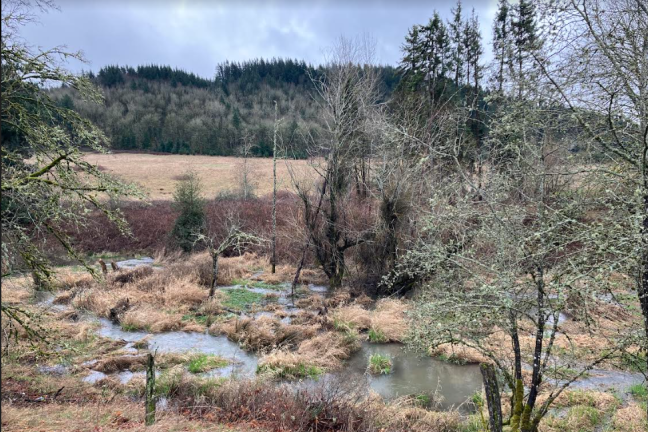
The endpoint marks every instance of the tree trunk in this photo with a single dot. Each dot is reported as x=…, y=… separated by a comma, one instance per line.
x=274, y=195
x=297, y=273
x=518, y=391
x=212, y=290
x=150, y=391
x=642, y=290
x=492, y=396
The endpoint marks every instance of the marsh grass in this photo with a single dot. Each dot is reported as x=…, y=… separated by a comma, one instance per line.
x=380, y=364
x=241, y=299
x=299, y=370
x=377, y=336
x=639, y=392
x=205, y=362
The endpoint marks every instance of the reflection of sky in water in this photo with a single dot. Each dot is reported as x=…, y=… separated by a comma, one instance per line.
x=412, y=374
x=187, y=342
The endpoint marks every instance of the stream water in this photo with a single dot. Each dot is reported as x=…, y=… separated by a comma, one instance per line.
x=411, y=373
x=242, y=363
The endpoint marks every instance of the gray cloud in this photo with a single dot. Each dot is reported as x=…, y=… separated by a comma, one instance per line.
x=197, y=35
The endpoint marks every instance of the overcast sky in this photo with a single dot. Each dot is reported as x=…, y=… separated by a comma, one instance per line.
x=197, y=35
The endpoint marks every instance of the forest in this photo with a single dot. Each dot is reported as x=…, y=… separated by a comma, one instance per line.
x=159, y=109
x=448, y=245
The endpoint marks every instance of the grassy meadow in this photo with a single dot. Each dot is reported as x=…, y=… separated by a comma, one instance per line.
x=158, y=174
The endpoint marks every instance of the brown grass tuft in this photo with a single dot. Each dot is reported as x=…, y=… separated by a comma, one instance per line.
x=389, y=319
x=121, y=363
x=630, y=419
x=353, y=316
x=150, y=318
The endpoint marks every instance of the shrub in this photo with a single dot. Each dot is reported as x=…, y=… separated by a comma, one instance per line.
x=191, y=220
x=380, y=364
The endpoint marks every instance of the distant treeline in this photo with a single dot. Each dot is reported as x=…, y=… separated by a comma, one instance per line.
x=162, y=109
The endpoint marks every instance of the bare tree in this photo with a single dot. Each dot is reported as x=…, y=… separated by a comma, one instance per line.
x=247, y=184
x=347, y=93
x=600, y=71
x=235, y=238
x=275, y=149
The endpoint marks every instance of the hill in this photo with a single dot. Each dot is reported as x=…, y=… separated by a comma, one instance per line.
x=160, y=109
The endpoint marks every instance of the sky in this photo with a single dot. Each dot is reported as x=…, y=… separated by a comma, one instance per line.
x=197, y=35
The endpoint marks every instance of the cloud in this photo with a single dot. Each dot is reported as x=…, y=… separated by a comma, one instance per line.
x=197, y=35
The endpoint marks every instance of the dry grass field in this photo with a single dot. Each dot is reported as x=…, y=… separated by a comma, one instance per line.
x=158, y=174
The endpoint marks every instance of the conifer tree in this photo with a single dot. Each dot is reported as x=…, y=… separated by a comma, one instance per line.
x=474, y=50
x=412, y=62
x=525, y=37
x=501, y=40
x=435, y=52
x=456, y=37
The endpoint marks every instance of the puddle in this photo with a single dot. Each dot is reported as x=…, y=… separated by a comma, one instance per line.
x=414, y=375
x=562, y=317
x=123, y=376
x=46, y=299
x=245, y=364
x=94, y=376
x=224, y=372
x=54, y=370
x=600, y=379
x=318, y=288
x=135, y=262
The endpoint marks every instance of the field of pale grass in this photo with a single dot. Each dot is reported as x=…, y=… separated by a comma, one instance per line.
x=158, y=174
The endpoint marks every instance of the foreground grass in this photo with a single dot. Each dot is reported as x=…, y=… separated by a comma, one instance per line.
x=102, y=416
x=241, y=299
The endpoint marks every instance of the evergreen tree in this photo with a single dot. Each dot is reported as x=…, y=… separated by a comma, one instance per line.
x=474, y=50
x=412, y=63
x=435, y=49
x=456, y=38
x=501, y=40
x=523, y=27
x=190, y=223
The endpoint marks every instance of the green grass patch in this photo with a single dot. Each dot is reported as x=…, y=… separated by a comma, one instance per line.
x=299, y=371
x=422, y=400
x=377, y=336
x=132, y=327
x=380, y=364
x=168, y=382
x=342, y=326
x=256, y=284
x=204, y=362
x=639, y=392
x=586, y=416
x=200, y=319
x=472, y=423
x=239, y=299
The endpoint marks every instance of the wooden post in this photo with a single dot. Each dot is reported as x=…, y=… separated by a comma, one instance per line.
x=492, y=396
x=104, y=269
x=149, y=416
x=212, y=289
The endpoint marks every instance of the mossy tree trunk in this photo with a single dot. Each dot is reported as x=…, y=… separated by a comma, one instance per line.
x=150, y=391
x=492, y=396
